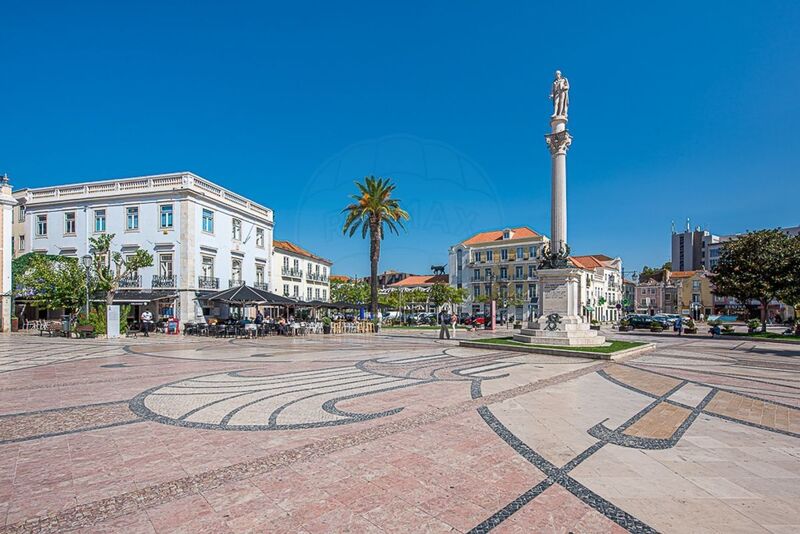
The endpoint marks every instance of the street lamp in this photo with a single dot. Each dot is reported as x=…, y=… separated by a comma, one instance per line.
x=490, y=276
x=87, y=263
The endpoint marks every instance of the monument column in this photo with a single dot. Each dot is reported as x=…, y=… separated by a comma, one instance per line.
x=560, y=322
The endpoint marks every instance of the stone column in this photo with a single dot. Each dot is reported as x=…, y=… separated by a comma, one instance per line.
x=7, y=204
x=558, y=141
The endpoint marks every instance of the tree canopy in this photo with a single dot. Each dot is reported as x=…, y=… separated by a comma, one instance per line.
x=761, y=266
x=50, y=282
x=111, y=267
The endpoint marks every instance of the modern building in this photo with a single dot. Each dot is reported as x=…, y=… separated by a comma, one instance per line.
x=601, y=288
x=203, y=237
x=698, y=249
x=499, y=265
x=298, y=273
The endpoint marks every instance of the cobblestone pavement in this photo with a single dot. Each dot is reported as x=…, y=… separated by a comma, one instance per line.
x=397, y=432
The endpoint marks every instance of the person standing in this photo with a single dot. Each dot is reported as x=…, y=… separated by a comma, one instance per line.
x=444, y=324
x=147, y=321
x=679, y=325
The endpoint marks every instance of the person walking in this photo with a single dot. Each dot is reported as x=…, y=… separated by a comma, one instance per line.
x=679, y=325
x=444, y=324
x=454, y=322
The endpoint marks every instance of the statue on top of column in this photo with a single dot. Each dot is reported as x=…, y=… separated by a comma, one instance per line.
x=559, y=94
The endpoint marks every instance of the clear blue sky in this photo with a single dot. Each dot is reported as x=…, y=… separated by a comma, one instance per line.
x=677, y=110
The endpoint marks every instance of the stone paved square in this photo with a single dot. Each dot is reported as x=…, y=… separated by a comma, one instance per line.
x=395, y=432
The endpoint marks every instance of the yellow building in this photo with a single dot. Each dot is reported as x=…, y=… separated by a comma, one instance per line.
x=694, y=293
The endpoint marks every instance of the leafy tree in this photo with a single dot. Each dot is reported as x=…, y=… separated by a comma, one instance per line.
x=111, y=267
x=790, y=293
x=439, y=294
x=374, y=210
x=667, y=266
x=759, y=266
x=51, y=282
x=352, y=291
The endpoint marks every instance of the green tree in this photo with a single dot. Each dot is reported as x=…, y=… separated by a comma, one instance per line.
x=439, y=294
x=790, y=293
x=111, y=267
x=759, y=266
x=373, y=211
x=350, y=291
x=51, y=282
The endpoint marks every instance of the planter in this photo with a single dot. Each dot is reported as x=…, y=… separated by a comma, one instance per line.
x=690, y=330
x=517, y=325
x=625, y=328
x=326, y=329
x=15, y=324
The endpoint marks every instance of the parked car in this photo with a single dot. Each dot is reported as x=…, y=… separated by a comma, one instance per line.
x=637, y=320
x=664, y=320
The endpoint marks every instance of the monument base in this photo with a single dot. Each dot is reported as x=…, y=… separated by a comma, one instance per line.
x=559, y=323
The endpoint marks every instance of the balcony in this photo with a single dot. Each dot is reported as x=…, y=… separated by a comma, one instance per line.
x=235, y=282
x=131, y=282
x=261, y=285
x=208, y=282
x=316, y=277
x=292, y=272
x=164, y=281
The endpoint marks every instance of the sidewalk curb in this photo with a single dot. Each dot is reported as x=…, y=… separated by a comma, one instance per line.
x=627, y=353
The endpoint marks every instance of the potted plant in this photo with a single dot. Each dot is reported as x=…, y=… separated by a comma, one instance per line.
x=753, y=325
x=14, y=323
x=727, y=329
x=689, y=326
x=326, y=325
x=595, y=324
x=625, y=325
x=655, y=326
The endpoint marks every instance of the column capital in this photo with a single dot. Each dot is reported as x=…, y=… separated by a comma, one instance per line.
x=558, y=142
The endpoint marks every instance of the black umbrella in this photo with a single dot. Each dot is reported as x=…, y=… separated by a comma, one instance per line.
x=242, y=294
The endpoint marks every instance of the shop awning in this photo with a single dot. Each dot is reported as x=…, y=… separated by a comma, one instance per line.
x=131, y=296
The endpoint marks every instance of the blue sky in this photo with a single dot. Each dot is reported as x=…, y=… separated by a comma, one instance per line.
x=677, y=110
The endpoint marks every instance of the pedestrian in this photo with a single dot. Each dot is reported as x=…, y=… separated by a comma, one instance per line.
x=679, y=325
x=147, y=321
x=454, y=321
x=444, y=324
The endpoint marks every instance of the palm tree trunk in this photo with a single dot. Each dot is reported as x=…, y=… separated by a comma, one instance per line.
x=374, y=256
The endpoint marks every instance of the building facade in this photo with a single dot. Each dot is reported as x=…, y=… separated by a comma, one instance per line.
x=203, y=237
x=297, y=273
x=498, y=265
x=694, y=293
x=601, y=288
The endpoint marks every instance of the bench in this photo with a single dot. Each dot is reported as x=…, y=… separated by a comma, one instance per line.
x=85, y=331
x=52, y=328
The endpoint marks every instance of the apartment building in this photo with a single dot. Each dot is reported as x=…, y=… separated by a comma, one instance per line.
x=203, y=237
x=499, y=265
x=297, y=273
x=601, y=289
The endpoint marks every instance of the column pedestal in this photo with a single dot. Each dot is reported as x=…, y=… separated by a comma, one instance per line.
x=560, y=322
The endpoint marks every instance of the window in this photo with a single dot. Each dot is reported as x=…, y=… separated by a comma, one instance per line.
x=165, y=265
x=259, y=274
x=69, y=223
x=532, y=252
x=504, y=254
x=236, y=270
x=324, y=271
x=309, y=293
x=285, y=262
x=506, y=234
x=285, y=290
x=503, y=273
x=324, y=294
x=99, y=220
x=208, y=221
x=316, y=293
x=208, y=266
x=41, y=226
x=237, y=229
x=310, y=270
x=489, y=255
x=260, y=237
x=520, y=253
x=518, y=272
x=695, y=285
x=317, y=268
x=296, y=291
x=531, y=291
x=518, y=291
x=487, y=274
x=132, y=218
x=21, y=216
x=477, y=256
x=21, y=243
x=531, y=270
x=166, y=216
x=476, y=274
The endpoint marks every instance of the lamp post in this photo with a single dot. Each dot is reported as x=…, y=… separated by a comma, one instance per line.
x=492, y=306
x=87, y=263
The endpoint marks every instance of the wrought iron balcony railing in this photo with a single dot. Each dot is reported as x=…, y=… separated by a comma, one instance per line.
x=164, y=281
x=208, y=282
x=235, y=282
x=261, y=285
x=294, y=273
x=131, y=281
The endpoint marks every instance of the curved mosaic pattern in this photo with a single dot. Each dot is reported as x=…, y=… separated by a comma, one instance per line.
x=248, y=400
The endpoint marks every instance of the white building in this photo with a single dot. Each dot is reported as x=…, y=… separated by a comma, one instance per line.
x=298, y=273
x=202, y=236
x=601, y=288
x=501, y=265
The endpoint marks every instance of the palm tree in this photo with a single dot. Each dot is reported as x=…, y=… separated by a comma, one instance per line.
x=373, y=211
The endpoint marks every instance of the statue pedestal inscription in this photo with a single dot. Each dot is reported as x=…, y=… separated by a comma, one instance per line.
x=560, y=322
